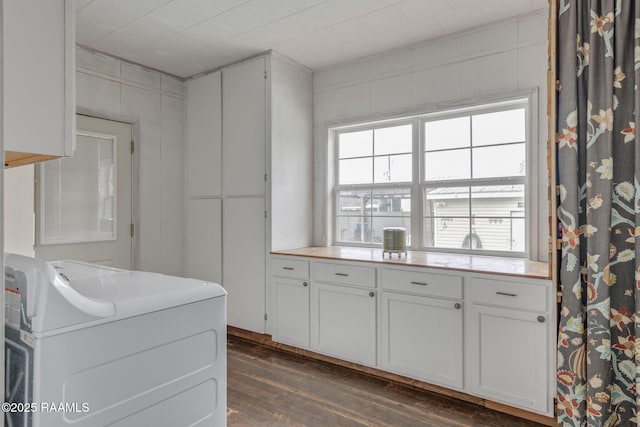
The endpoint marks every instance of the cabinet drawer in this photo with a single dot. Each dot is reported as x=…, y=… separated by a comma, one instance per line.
x=344, y=274
x=506, y=293
x=289, y=267
x=440, y=285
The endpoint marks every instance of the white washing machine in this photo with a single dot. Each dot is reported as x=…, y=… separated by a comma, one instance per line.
x=90, y=346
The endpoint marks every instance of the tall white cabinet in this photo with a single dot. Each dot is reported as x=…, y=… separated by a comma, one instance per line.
x=248, y=177
x=39, y=75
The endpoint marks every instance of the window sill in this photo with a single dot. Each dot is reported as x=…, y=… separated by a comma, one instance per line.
x=516, y=267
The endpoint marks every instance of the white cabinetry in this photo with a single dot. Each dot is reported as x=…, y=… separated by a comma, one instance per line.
x=244, y=143
x=510, y=347
x=39, y=75
x=204, y=234
x=244, y=116
x=203, y=179
x=343, y=322
x=343, y=313
x=487, y=335
x=422, y=336
x=243, y=262
x=203, y=174
x=290, y=285
x=246, y=123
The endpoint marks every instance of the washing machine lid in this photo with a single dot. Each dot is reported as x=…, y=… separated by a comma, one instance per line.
x=51, y=297
x=133, y=292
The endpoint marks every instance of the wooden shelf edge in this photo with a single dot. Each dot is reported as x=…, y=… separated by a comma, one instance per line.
x=18, y=158
x=266, y=340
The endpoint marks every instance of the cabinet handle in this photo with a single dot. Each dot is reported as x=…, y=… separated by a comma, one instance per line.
x=506, y=294
x=287, y=268
x=419, y=283
x=372, y=294
x=457, y=305
x=541, y=319
x=342, y=274
x=305, y=284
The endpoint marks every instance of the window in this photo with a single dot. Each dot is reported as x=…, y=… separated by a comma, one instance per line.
x=456, y=180
x=78, y=194
x=374, y=176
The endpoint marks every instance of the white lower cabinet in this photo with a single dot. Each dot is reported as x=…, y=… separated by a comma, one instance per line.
x=422, y=338
x=291, y=309
x=343, y=322
x=487, y=335
x=509, y=357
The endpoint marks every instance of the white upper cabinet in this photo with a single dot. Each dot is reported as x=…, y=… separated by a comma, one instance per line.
x=204, y=136
x=39, y=74
x=244, y=115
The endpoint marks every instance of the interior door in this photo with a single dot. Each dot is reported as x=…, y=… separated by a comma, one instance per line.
x=83, y=202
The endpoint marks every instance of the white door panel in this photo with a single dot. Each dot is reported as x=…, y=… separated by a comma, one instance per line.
x=203, y=258
x=515, y=374
x=204, y=136
x=243, y=265
x=244, y=128
x=422, y=338
x=343, y=322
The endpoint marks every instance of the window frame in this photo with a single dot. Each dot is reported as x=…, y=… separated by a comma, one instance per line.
x=419, y=184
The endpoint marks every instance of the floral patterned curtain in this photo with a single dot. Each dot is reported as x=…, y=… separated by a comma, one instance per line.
x=598, y=58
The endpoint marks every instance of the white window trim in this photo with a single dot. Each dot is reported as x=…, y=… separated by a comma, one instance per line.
x=528, y=99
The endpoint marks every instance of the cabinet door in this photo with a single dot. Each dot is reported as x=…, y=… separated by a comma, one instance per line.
x=243, y=265
x=245, y=131
x=509, y=357
x=344, y=322
x=422, y=338
x=203, y=171
x=291, y=311
x=203, y=247
x=39, y=75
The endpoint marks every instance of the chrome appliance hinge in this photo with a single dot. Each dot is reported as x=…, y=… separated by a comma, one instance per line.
x=133, y=146
x=132, y=229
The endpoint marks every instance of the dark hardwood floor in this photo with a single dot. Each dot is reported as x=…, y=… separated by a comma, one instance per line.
x=268, y=387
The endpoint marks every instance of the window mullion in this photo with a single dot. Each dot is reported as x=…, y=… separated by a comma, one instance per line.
x=416, y=193
x=471, y=147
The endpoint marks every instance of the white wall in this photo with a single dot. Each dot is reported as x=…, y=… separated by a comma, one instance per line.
x=19, y=219
x=489, y=62
x=110, y=88
x=291, y=155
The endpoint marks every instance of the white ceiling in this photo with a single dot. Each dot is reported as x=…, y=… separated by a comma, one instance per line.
x=187, y=37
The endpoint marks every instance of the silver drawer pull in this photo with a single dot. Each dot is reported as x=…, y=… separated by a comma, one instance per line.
x=419, y=283
x=288, y=268
x=506, y=294
x=342, y=274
